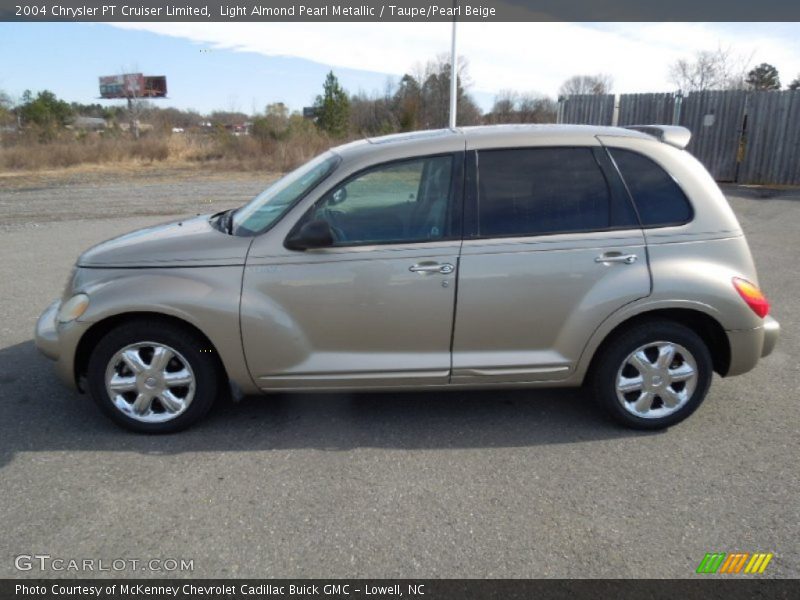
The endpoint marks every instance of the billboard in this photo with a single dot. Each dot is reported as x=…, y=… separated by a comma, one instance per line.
x=133, y=85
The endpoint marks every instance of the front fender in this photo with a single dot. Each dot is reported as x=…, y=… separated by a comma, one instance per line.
x=205, y=297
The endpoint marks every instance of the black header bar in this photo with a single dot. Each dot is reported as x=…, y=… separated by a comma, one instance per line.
x=399, y=10
x=700, y=587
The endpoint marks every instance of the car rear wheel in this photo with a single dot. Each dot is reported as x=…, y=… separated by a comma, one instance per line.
x=653, y=375
x=153, y=377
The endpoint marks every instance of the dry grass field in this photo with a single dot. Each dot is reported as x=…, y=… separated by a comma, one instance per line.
x=212, y=151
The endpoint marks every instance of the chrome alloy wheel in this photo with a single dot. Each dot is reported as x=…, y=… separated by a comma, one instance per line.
x=150, y=382
x=656, y=380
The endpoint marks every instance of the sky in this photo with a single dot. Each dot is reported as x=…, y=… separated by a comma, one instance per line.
x=245, y=66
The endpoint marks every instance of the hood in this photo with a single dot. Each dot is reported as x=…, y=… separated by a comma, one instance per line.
x=191, y=242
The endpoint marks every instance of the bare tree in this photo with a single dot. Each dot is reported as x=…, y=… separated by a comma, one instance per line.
x=164, y=119
x=6, y=118
x=435, y=88
x=587, y=84
x=718, y=69
x=533, y=108
x=407, y=103
x=226, y=118
x=505, y=107
x=372, y=114
x=513, y=107
x=422, y=98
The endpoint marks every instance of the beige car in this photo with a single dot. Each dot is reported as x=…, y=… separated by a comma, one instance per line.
x=487, y=257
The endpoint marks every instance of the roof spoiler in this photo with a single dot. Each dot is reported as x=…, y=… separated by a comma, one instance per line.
x=674, y=135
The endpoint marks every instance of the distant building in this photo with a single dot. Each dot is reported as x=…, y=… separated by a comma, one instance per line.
x=140, y=126
x=238, y=129
x=89, y=123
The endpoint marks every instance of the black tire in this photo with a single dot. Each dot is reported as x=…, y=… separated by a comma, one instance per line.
x=614, y=355
x=191, y=347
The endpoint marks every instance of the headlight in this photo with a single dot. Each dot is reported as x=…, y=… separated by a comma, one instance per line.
x=73, y=308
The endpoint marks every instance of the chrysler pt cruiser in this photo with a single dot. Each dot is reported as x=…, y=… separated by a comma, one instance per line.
x=487, y=257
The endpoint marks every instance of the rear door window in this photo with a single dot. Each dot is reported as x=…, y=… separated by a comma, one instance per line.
x=540, y=191
x=658, y=198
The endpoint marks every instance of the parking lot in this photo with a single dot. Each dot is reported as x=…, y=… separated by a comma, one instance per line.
x=459, y=484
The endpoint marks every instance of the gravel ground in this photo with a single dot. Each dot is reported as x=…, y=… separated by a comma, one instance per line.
x=489, y=484
x=33, y=202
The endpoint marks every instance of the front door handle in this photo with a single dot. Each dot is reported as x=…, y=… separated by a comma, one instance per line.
x=627, y=259
x=444, y=268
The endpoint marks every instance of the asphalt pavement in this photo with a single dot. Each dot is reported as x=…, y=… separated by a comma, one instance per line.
x=458, y=484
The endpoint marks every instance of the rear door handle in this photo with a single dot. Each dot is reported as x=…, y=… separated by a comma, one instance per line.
x=627, y=259
x=444, y=268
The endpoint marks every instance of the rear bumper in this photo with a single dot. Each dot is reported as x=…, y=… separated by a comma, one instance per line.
x=772, y=331
x=748, y=346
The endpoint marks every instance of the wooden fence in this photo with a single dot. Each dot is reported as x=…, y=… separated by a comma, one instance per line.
x=740, y=136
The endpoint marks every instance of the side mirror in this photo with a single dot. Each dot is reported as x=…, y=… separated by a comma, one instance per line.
x=314, y=234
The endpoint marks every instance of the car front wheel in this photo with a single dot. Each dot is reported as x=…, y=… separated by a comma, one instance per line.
x=153, y=377
x=653, y=375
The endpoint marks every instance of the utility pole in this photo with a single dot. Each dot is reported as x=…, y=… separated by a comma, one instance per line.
x=453, y=75
x=133, y=115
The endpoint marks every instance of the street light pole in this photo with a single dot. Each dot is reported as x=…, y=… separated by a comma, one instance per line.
x=453, y=75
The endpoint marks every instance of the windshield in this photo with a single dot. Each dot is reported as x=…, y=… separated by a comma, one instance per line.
x=263, y=210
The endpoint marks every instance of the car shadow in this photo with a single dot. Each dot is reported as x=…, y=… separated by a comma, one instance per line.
x=42, y=414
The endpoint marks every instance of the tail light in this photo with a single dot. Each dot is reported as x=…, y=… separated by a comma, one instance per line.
x=753, y=296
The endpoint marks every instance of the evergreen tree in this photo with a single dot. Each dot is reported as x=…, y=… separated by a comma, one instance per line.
x=333, y=107
x=764, y=77
x=45, y=110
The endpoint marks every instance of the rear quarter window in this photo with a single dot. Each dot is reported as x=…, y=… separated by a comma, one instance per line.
x=658, y=198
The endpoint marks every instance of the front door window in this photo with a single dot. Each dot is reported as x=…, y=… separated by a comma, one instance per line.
x=402, y=202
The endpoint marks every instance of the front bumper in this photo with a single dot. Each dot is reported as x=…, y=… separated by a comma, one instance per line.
x=748, y=346
x=46, y=333
x=59, y=341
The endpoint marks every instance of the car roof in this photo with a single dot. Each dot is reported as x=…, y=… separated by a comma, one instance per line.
x=482, y=136
x=548, y=130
